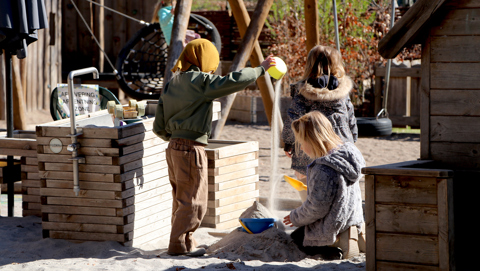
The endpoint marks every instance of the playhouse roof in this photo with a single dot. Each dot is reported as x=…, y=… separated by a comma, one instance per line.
x=407, y=29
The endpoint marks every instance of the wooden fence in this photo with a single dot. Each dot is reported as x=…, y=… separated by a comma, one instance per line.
x=403, y=105
x=40, y=71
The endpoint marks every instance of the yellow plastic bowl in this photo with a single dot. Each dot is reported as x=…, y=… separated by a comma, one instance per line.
x=279, y=70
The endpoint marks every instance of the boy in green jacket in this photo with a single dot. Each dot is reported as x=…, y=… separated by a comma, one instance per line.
x=184, y=117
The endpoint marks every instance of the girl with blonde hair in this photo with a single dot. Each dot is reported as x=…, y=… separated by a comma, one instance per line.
x=325, y=88
x=331, y=215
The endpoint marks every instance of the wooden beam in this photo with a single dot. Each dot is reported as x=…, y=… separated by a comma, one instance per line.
x=20, y=121
x=179, y=30
x=244, y=51
x=264, y=83
x=408, y=27
x=311, y=23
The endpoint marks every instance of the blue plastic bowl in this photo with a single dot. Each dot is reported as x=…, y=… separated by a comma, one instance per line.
x=257, y=225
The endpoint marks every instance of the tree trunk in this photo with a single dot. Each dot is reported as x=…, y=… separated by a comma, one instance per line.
x=311, y=23
x=180, y=24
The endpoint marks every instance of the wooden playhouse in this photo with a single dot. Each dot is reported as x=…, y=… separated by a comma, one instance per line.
x=420, y=214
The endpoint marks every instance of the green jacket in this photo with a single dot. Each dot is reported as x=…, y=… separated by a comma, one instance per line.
x=184, y=109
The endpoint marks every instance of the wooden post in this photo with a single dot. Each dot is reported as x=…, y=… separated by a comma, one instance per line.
x=311, y=23
x=244, y=51
x=179, y=30
x=3, y=104
x=264, y=83
x=19, y=120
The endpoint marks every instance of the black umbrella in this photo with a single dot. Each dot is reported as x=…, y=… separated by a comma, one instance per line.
x=19, y=22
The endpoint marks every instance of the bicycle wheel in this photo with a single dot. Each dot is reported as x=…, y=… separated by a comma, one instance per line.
x=142, y=62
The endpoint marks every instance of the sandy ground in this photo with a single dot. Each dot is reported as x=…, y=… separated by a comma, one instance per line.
x=23, y=248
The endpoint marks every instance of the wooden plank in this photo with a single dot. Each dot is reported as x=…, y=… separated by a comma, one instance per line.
x=233, y=199
x=30, y=160
x=57, y=192
x=84, y=142
x=63, y=158
x=159, y=157
x=84, y=185
x=455, y=49
x=78, y=210
x=87, y=151
x=446, y=234
x=454, y=129
x=425, y=102
x=456, y=102
x=134, y=139
x=232, y=160
x=458, y=22
x=405, y=190
x=141, y=187
x=233, y=191
x=231, y=184
x=26, y=213
x=224, y=225
x=418, y=168
x=18, y=143
x=218, y=149
x=388, y=266
x=456, y=155
x=165, y=201
x=418, y=249
x=79, y=227
x=406, y=219
x=18, y=152
x=160, y=167
x=232, y=168
x=370, y=226
x=84, y=168
x=89, y=236
x=83, y=176
x=27, y=168
x=157, y=234
x=212, y=212
x=138, y=155
x=454, y=75
x=31, y=198
x=223, y=217
x=161, y=193
x=110, y=220
x=398, y=71
x=232, y=176
x=84, y=202
x=161, y=215
x=30, y=183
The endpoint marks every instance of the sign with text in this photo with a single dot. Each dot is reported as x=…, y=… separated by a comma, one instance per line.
x=87, y=99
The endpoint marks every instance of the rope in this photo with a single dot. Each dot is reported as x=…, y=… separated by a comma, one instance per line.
x=119, y=13
x=95, y=38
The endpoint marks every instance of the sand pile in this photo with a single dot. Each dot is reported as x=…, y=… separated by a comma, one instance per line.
x=271, y=245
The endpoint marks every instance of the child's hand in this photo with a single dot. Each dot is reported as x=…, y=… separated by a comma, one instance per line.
x=268, y=62
x=286, y=221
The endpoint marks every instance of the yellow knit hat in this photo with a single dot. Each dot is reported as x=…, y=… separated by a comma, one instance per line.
x=201, y=53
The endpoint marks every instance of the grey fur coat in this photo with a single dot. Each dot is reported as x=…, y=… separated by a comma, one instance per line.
x=334, y=200
x=334, y=104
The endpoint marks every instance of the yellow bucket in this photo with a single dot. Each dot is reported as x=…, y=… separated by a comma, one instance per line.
x=279, y=70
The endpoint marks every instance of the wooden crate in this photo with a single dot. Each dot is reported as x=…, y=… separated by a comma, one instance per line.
x=409, y=217
x=23, y=145
x=125, y=194
x=232, y=181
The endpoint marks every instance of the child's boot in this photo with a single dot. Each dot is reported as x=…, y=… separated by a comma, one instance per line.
x=347, y=241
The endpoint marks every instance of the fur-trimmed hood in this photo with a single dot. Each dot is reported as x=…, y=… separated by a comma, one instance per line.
x=324, y=94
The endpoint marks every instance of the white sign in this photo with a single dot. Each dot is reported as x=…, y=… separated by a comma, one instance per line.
x=87, y=99
x=56, y=145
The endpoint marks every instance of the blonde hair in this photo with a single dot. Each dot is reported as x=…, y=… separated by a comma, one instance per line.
x=316, y=130
x=323, y=60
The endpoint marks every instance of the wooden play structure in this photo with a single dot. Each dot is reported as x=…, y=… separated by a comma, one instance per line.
x=418, y=213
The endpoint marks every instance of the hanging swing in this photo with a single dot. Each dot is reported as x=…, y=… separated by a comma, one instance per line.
x=380, y=125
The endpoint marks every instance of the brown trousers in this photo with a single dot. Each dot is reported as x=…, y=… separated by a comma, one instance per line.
x=188, y=174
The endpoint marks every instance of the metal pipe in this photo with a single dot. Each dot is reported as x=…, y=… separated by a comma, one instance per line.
x=389, y=64
x=337, y=38
x=73, y=130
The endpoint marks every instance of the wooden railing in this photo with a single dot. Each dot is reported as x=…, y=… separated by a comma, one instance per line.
x=403, y=105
